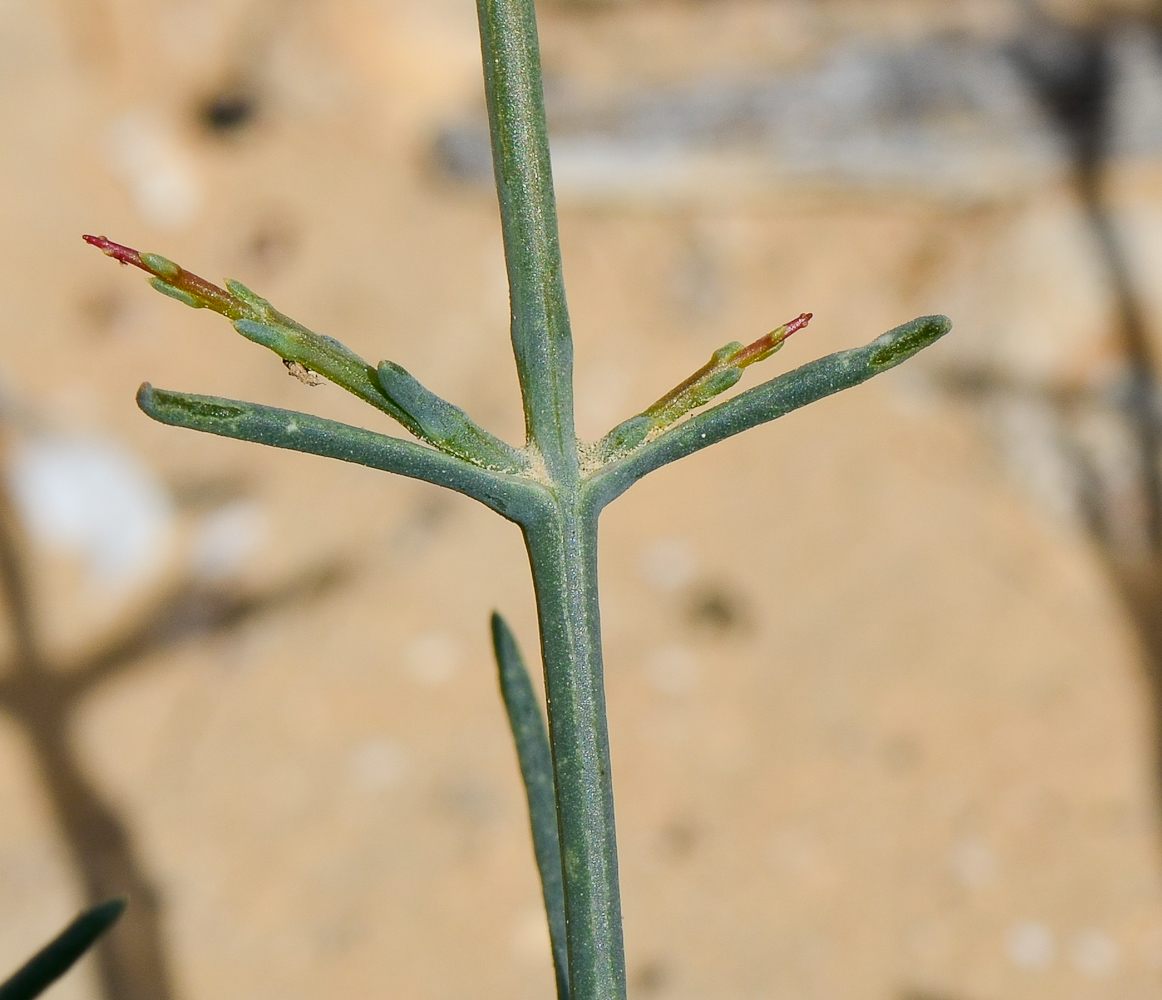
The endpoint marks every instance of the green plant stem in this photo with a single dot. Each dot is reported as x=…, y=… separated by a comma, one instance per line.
x=541, y=339
x=562, y=539
x=562, y=545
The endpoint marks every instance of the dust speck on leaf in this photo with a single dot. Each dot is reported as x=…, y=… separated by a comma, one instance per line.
x=303, y=373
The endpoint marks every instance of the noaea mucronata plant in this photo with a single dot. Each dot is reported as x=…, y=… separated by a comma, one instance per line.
x=554, y=486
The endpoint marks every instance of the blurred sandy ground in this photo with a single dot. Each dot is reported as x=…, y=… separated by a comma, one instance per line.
x=878, y=719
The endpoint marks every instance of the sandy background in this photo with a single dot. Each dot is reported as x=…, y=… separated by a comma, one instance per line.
x=879, y=724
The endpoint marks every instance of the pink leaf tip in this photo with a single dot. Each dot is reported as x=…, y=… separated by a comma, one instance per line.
x=126, y=255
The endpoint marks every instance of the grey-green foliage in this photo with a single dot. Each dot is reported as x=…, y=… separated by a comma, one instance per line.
x=553, y=486
x=59, y=955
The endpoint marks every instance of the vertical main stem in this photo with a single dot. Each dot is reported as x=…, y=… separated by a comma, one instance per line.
x=562, y=538
x=563, y=553
x=541, y=339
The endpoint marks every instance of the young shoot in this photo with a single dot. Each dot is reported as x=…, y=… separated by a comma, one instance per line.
x=551, y=484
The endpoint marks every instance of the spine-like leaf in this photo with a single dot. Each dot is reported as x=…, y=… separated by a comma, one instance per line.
x=58, y=956
x=517, y=499
x=769, y=401
x=446, y=426
x=536, y=768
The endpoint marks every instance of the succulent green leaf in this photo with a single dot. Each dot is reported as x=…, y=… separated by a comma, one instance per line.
x=446, y=426
x=59, y=955
x=715, y=385
x=624, y=437
x=259, y=306
x=184, y=297
x=536, y=768
x=773, y=399
x=163, y=267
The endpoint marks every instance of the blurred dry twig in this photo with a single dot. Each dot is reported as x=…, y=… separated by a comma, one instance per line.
x=43, y=696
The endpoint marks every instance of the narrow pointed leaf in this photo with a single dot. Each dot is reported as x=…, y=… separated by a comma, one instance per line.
x=58, y=956
x=766, y=402
x=536, y=768
x=516, y=499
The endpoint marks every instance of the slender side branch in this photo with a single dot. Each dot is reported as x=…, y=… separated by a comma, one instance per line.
x=766, y=402
x=720, y=373
x=541, y=338
x=536, y=767
x=257, y=320
x=514, y=498
x=388, y=388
